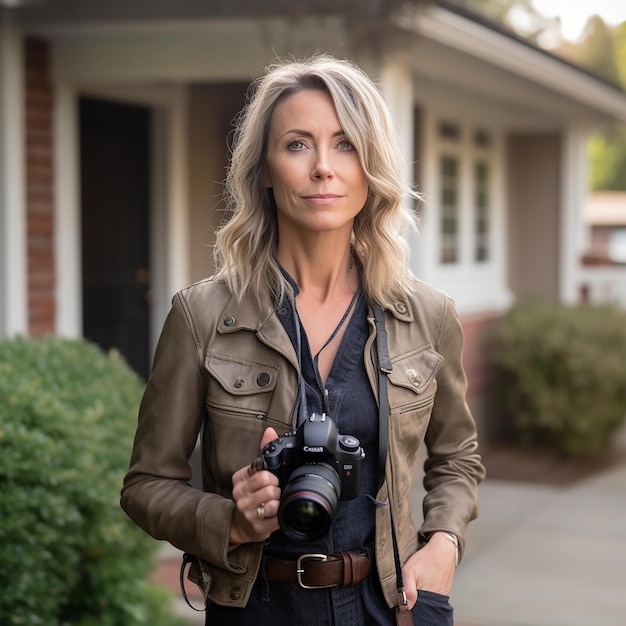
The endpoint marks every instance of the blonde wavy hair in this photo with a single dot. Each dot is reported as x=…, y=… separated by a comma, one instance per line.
x=245, y=247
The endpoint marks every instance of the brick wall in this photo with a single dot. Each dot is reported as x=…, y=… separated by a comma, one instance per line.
x=481, y=375
x=39, y=188
x=476, y=352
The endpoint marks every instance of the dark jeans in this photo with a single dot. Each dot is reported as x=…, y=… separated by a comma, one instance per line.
x=431, y=609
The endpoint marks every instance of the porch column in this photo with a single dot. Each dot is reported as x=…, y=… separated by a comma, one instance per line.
x=573, y=193
x=13, y=289
x=397, y=88
x=396, y=83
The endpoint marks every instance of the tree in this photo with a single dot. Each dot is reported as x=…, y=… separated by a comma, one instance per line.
x=604, y=51
x=597, y=50
x=519, y=16
x=607, y=155
x=620, y=52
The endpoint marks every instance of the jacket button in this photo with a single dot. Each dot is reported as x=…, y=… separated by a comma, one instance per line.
x=229, y=321
x=263, y=379
x=400, y=307
x=414, y=378
x=235, y=593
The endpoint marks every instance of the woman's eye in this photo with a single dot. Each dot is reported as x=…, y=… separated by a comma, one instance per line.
x=296, y=144
x=344, y=144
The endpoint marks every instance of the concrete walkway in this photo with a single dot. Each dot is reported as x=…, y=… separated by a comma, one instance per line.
x=538, y=555
x=546, y=556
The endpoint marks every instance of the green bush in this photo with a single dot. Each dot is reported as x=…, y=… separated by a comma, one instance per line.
x=563, y=374
x=68, y=554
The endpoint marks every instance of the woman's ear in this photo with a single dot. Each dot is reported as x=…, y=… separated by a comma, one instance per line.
x=267, y=182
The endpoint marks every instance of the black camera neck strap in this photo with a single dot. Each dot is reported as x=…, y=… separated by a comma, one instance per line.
x=384, y=369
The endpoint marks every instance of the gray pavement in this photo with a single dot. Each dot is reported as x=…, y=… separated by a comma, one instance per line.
x=546, y=556
x=540, y=555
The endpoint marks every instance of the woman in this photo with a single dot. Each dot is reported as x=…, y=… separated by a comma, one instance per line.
x=285, y=331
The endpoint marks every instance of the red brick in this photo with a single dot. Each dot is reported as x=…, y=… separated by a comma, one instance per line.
x=39, y=103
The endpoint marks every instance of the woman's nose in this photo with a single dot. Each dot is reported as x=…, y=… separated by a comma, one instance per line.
x=322, y=168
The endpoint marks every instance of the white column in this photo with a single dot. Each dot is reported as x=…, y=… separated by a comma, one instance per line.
x=13, y=267
x=396, y=84
x=178, y=209
x=67, y=226
x=574, y=189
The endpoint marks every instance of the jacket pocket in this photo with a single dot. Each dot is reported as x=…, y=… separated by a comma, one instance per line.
x=237, y=406
x=412, y=389
x=240, y=378
x=413, y=380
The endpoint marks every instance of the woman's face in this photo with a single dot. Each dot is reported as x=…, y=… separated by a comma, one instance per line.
x=311, y=166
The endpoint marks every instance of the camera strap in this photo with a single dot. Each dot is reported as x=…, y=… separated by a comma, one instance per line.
x=384, y=369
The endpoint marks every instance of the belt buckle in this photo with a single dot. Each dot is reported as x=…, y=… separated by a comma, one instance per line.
x=300, y=570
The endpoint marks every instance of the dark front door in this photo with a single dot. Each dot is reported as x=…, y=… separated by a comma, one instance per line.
x=115, y=207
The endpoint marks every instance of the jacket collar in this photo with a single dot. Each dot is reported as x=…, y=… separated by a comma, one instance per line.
x=259, y=318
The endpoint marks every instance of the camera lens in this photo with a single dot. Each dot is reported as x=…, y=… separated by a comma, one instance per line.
x=309, y=502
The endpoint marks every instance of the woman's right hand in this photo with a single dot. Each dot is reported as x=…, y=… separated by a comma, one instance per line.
x=257, y=495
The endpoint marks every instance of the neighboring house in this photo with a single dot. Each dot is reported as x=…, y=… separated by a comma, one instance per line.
x=605, y=223
x=603, y=275
x=114, y=120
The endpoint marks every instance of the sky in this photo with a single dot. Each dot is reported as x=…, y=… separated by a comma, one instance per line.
x=574, y=13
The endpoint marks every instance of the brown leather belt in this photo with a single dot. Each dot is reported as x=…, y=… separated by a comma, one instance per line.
x=318, y=571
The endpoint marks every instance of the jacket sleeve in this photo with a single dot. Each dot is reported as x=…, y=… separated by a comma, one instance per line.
x=453, y=468
x=156, y=493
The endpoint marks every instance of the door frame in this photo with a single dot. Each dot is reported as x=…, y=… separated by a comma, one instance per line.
x=168, y=210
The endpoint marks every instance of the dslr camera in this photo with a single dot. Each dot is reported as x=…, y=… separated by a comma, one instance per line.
x=316, y=467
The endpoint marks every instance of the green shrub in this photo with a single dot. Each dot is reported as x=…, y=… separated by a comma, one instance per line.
x=68, y=554
x=563, y=374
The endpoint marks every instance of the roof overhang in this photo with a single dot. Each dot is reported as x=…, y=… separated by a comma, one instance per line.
x=535, y=66
x=443, y=46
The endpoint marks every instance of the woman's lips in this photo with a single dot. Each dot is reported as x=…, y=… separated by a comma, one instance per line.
x=322, y=198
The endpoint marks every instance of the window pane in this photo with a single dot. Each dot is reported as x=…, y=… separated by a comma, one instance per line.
x=482, y=139
x=449, y=224
x=482, y=203
x=449, y=131
x=617, y=245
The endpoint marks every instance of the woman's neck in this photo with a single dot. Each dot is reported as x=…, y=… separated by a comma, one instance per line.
x=322, y=272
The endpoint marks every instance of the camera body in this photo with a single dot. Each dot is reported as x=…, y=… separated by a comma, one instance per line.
x=317, y=440
x=315, y=466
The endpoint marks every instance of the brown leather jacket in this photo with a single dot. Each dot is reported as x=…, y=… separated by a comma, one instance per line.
x=229, y=370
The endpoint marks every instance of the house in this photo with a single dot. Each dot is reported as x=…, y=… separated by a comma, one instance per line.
x=115, y=117
x=605, y=224
x=603, y=273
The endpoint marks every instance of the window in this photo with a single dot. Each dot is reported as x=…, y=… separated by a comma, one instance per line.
x=482, y=139
x=466, y=194
x=465, y=253
x=481, y=212
x=449, y=252
x=617, y=245
x=449, y=130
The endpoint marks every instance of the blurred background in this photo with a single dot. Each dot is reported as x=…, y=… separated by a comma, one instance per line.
x=115, y=123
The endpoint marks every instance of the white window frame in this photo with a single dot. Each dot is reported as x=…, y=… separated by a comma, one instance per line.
x=475, y=285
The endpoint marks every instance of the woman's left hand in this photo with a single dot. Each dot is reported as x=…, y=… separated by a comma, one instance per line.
x=431, y=568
